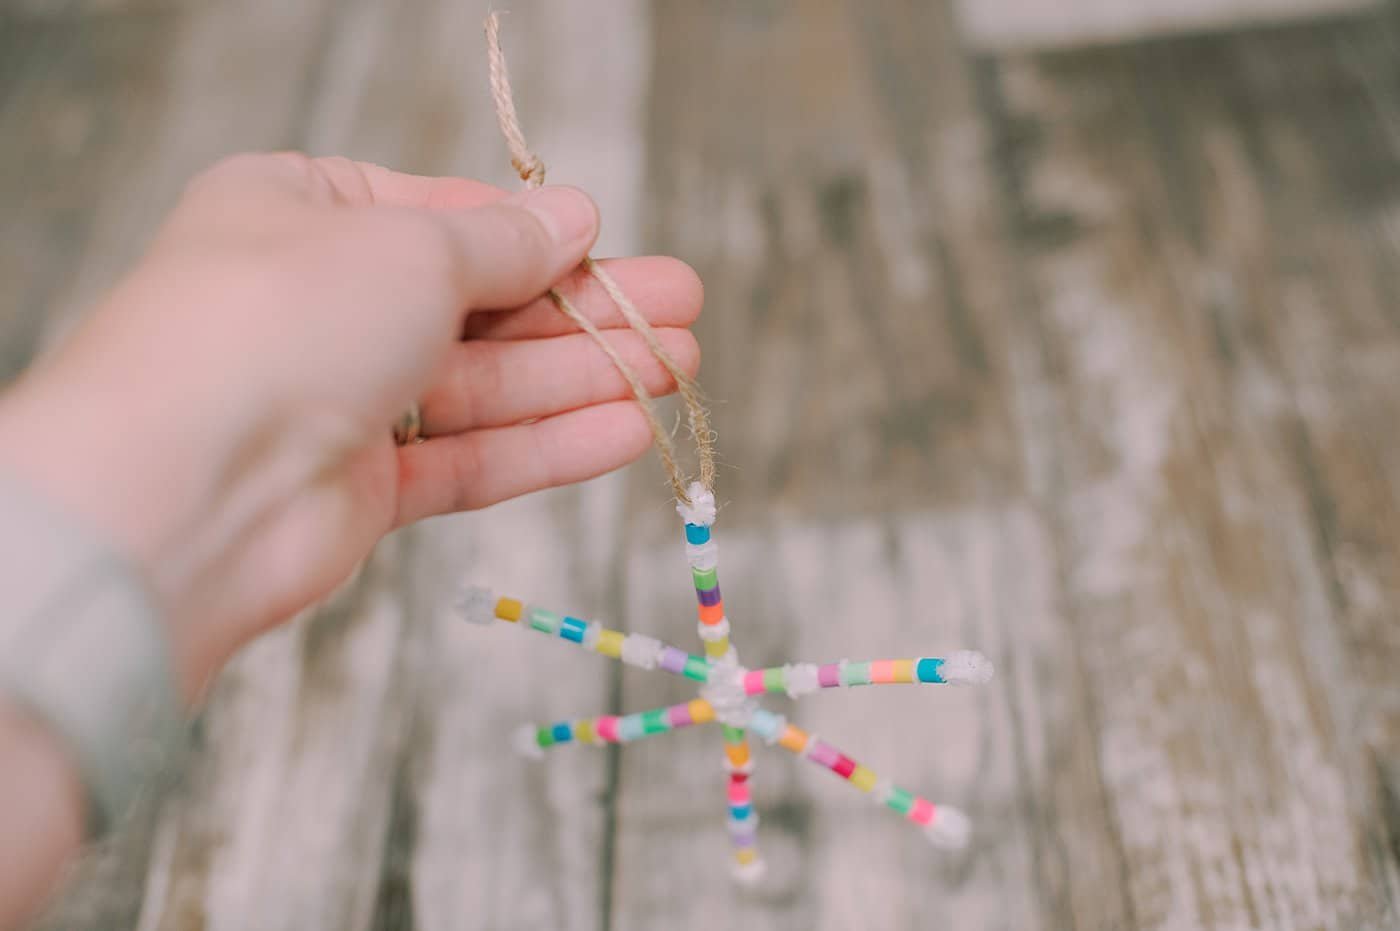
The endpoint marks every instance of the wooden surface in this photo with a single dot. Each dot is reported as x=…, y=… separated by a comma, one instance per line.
x=1088, y=360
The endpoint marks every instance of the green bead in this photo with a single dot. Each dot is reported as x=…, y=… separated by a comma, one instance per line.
x=856, y=674
x=697, y=669
x=544, y=621
x=733, y=735
x=901, y=800
x=654, y=721
x=775, y=680
x=705, y=579
x=545, y=736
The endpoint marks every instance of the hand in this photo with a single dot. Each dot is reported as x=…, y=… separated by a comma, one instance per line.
x=225, y=413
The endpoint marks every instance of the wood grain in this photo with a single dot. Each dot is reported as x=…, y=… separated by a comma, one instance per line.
x=1088, y=360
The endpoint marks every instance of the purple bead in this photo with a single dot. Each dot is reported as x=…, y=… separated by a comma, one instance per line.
x=829, y=676
x=709, y=598
x=680, y=716
x=672, y=660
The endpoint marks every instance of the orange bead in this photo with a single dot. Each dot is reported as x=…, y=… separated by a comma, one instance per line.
x=509, y=609
x=794, y=739
x=738, y=753
x=712, y=614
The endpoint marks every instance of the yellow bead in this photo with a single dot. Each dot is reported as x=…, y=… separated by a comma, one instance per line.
x=583, y=731
x=716, y=648
x=746, y=855
x=863, y=779
x=610, y=643
x=509, y=609
x=904, y=670
x=701, y=711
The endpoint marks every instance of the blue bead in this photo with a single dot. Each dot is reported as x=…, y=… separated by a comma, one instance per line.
x=740, y=812
x=766, y=724
x=562, y=733
x=571, y=628
x=697, y=534
x=927, y=670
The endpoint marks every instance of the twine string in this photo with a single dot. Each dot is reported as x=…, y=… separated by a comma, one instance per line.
x=531, y=170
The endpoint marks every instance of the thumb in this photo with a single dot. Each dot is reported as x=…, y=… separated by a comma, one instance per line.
x=510, y=252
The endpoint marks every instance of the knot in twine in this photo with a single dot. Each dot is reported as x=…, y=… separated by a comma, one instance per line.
x=531, y=170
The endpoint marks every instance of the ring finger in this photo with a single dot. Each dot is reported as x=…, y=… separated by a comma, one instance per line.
x=491, y=383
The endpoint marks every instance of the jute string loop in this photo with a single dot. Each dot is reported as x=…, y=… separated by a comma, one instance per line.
x=531, y=170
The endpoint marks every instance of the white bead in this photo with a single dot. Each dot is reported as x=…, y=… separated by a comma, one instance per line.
x=702, y=556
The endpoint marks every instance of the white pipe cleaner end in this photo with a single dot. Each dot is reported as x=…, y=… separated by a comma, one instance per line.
x=801, y=679
x=641, y=651
x=749, y=874
x=525, y=744
x=475, y=604
x=701, y=509
x=949, y=829
x=966, y=667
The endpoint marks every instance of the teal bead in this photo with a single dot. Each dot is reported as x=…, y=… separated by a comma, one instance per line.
x=697, y=669
x=901, y=800
x=571, y=628
x=928, y=670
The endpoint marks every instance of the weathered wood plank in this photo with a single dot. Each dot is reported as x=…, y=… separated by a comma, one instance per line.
x=79, y=99
x=1224, y=691
x=824, y=168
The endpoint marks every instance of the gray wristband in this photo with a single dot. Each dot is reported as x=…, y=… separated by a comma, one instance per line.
x=83, y=649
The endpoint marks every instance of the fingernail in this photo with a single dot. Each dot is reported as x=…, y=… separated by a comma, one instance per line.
x=566, y=212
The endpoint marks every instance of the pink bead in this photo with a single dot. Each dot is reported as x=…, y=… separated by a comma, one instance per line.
x=606, y=728
x=824, y=753
x=922, y=812
x=738, y=793
x=753, y=682
x=680, y=716
x=829, y=676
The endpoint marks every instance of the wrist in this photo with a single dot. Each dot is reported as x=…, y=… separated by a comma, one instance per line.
x=71, y=441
